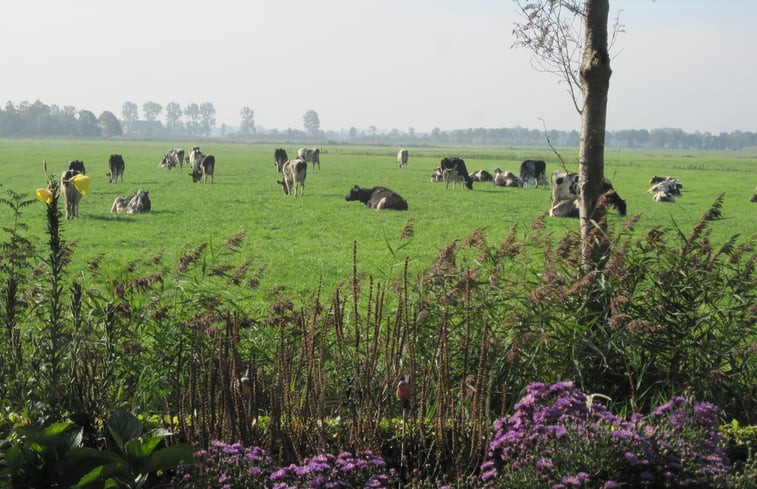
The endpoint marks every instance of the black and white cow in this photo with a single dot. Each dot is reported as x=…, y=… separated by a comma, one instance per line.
x=77, y=166
x=280, y=157
x=71, y=196
x=294, y=173
x=312, y=155
x=174, y=157
x=481, y=176
x=454, y=170
x=754, y=197
x=138, y=203
x=377, y=198
x=565, y=189
x=116, y=166
x=505, y=179
x=402, y=158
x=666, y=190
x=437, y=176
x=194, y=156
x=203, y=168
x=533, y=172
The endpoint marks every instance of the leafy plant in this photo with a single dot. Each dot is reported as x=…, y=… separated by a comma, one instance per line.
x=137, y=457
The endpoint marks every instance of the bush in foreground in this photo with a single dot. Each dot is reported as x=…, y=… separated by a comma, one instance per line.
x=559, y=438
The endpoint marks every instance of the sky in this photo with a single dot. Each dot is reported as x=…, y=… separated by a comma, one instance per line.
x=392, y=64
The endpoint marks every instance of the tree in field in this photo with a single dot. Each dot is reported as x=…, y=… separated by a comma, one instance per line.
x=87, y=124
x=192, y=116
x=151, y=110
x=570, y=39
x=109, y=125
x=173, y=117
x=311, y=122
x=247, y=125
x=207, y=118
x=129, y=114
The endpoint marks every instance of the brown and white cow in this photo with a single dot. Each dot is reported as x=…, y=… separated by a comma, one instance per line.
x=454, y=170
x=116, y=166
x=377, y=198
x=173, y=158
x=294, y=173
x=138, y=203
x=312, y=155
x=402, y=158
x=481, y=176
x=505, y=179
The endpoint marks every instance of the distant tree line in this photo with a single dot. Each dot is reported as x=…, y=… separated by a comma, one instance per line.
x=39, y=119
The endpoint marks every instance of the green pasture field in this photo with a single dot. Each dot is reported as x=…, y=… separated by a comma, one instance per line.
x=306, y=241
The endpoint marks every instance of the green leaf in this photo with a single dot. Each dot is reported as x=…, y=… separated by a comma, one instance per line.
x=170, y=457
x=123, y=426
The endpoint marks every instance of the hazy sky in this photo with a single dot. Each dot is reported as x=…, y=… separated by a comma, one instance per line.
x=689, y=64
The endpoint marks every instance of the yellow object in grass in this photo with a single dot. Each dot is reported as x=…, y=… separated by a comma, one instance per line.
x=45, y=195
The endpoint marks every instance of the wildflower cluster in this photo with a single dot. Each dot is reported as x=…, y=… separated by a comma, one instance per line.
x=225, y=466
x=559, y=438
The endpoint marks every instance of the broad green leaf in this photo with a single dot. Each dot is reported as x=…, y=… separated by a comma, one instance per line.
x=170, y=457
x=123, y=426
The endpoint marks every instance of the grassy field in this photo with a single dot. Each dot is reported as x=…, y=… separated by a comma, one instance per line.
x=304, y=241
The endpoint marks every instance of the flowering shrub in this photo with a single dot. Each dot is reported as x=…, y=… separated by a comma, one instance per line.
x=558, y=438
x=225, y=466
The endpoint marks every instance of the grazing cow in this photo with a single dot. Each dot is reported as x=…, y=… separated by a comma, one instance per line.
x=437, y=176
x=533, y=172
x=402, y=158
x=202, y=168
x=174, y=157
x=454, y=169
x=138, y=203
x=377, y=198
x=505, y=179
x=294, y=173
x=280, y=157
x=565, y=188
x=116, y=165
x=312, y=155
x=194, y=157
x=71, y=196
x=481, y=176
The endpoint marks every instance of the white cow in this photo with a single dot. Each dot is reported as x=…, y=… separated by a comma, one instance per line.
x=402, y=158
x=312, y=155
x=294, y=173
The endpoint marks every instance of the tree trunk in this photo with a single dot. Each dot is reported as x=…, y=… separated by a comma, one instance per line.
x=595, y=83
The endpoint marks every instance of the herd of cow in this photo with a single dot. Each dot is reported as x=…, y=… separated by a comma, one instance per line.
x=564, y=185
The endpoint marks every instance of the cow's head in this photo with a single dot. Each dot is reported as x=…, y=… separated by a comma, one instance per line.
x=354, y=194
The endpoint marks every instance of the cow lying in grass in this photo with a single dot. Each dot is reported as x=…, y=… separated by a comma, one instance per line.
x=138, y=203
x=565, y=195
x=377, y=198
x=294, y=173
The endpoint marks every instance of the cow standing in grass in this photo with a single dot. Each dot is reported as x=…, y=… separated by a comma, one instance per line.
x=280, y=157
x=294, y=173
x=312, y=155
x=116, y=165
x=71, y=196
x=402, y=158
x=454, y=170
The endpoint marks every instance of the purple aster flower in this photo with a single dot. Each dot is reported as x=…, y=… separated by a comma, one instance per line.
x=610, y=485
